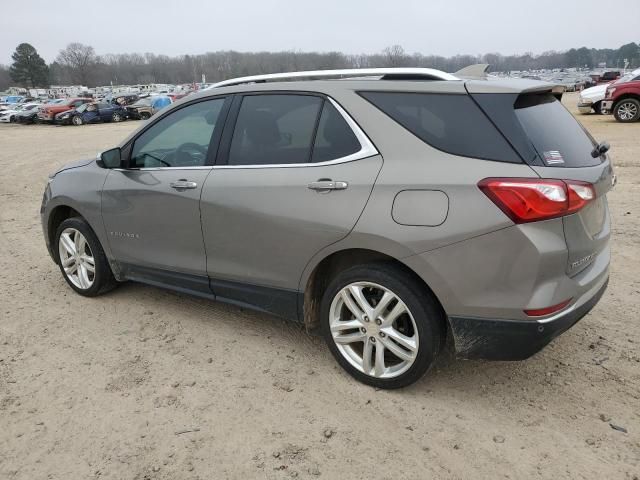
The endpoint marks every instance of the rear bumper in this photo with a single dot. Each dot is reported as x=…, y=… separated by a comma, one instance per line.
x=489, y=339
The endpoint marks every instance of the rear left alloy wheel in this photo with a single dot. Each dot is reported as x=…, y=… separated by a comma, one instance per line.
x=381, y=325
x=76, y=120
x=116, y=117
x=81, y=258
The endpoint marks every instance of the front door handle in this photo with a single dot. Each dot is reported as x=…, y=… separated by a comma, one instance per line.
x=183, y=184
x=324, y=185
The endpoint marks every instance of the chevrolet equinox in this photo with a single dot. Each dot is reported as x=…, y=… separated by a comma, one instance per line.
x=388, y=208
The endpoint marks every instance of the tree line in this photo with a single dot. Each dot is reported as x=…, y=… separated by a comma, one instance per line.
x=79, y=64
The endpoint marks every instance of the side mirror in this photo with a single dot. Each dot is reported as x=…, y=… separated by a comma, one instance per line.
x=111, y=158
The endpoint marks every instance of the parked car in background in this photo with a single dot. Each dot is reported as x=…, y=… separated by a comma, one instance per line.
x=605, y=77
x=144, y=108
x=27, y=116
x=570, y=84
x=11, y=100
x=586, y=81
x=622, y=98
x=9, y=116
x=590, y=99
x=48, y=112
x=177, y=96
x=92, y=113
x=124, y=99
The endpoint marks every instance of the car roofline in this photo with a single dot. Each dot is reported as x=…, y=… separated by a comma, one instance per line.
x=377, y=73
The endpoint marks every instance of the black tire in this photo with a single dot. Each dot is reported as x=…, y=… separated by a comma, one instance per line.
x=597, y=107
x=103, y=279
x=145, y=116
x=425, y=309
x=116, y=117
x=627, y=103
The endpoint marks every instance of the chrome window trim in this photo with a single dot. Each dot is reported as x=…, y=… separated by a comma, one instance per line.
x=367, y=149
x=148, y=169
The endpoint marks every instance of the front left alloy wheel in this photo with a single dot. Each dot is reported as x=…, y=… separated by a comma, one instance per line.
x=81, y=258
x=381, y=325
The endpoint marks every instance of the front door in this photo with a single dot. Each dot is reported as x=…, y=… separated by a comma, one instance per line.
x=151, y=210
x=296, y=179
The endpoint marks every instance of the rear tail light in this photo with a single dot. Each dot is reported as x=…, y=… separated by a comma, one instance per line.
x=526, y=200
x=541, y=312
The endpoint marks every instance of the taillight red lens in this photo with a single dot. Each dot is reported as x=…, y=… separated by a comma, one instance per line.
x=541, y=312
x=534, y=199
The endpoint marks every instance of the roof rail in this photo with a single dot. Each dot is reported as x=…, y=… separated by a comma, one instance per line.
x=383, y=73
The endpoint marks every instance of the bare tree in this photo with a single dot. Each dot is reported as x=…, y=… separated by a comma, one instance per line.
x=79, y=64
x=80, y=60
x=395, y=56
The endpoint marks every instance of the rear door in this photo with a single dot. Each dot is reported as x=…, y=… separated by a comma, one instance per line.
x=295, y=174
x=556, y=146
x=105, y=111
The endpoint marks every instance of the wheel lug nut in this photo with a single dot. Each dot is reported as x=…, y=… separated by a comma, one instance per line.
x=365, y=318
x=373, y=339
x=378, y=321
x=363, y=330
x=382, y=335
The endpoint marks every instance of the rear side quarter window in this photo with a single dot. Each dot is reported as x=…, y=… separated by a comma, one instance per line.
x=452, y=123
x=334, y=138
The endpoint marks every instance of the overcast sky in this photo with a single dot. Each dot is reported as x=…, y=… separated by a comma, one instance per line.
x=443, y=27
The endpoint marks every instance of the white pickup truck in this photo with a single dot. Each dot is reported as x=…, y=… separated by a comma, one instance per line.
x=591, y=98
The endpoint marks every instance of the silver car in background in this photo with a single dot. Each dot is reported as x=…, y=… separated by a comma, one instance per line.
x=390, y=209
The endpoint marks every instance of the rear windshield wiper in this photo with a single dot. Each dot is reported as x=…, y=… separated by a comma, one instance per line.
x=600, y=149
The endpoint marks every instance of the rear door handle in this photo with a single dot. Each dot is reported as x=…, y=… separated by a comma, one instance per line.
x=183, y=184
x=321, y=185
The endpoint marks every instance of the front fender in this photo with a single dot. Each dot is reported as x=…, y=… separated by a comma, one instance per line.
x=81, y=190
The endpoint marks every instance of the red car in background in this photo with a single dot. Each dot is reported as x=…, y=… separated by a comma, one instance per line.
x=623, y=99
x=605, y=77
x=48, y=112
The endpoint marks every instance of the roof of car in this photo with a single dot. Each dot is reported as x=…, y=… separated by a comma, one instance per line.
x=329, y=86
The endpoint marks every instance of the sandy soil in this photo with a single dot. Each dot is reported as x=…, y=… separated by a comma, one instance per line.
x=143, y=383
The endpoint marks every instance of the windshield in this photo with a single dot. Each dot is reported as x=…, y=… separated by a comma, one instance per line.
x=628, y=77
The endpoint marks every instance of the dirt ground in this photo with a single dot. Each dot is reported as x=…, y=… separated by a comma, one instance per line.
x=144, y=383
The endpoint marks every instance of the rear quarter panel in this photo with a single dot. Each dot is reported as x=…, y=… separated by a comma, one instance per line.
x=411, y=164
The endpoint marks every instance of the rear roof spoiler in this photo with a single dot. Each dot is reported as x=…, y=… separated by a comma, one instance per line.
x=479, y=70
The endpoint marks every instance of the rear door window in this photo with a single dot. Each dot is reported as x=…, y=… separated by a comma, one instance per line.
x=449, y=122
x=556, y=135
x=274, y=129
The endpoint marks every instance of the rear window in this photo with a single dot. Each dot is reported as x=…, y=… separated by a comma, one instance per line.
x=451, y=123
x=555, y=134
